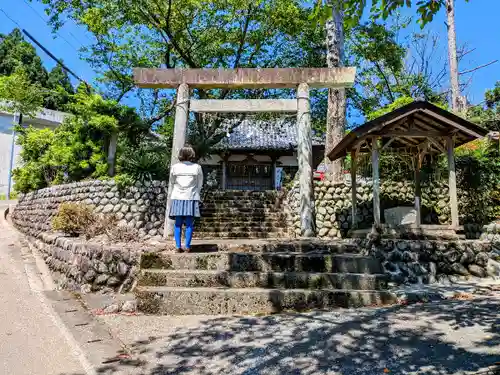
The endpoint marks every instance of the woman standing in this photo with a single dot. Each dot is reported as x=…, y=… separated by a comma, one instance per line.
x=186, y=181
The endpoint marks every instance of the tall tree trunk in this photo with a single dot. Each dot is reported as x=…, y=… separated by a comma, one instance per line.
x=336, y=113
x=452, y=56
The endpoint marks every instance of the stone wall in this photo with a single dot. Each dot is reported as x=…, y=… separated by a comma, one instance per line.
x=428, y=261
x=333, y=204
x=86, y=266
x=141, y=206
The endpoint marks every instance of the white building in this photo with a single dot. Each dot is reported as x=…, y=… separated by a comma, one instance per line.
x=9, y=152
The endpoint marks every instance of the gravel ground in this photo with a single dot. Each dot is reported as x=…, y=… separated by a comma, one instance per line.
x=443, y=337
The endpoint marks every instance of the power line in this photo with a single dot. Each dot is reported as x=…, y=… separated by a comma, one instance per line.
x=55, y=58
x=10, y=18
x=45, y=21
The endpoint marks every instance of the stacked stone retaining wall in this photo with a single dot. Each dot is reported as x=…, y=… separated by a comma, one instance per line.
x=333, y=204
x=86, y=266
x=141, y=206
x=428, y=261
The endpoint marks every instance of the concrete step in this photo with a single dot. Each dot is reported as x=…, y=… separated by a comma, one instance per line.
x=227, y=234
x=231, y=205
x=248, y=223
x=241, y=194
x=263, y=262
x=286, y=280
x=241, y=199
x=273, y=246
x=250, y=226
x=210, y=211
x=216, y=301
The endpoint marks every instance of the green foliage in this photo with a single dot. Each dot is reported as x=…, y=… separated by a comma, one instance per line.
x=398, y=103
x=144, y=161
x=60, y=89
x=78, y=148
x=19, y=94
x=355, y=9
x=123, y=181
x=489, y=114
x=20, y=62
x=16, y=53
x=73, y=218
x=193, y=34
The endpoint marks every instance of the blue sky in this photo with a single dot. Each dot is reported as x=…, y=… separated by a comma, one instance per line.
x=475, y=26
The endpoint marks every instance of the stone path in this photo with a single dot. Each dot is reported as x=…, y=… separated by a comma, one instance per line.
x=446, y=337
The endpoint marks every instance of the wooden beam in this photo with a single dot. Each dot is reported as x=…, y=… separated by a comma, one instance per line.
x=224, y=174
x=245, y=77
x=418, y=190
x=410, y=133
x=376, y=182
x=179, y=140
x=452, y=182
x=452, y=124
x=244, y=105
x=437, y=145
x=304, y=151
x=354, y=165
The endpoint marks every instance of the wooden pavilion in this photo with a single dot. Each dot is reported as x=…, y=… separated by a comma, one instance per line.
x=420, y=128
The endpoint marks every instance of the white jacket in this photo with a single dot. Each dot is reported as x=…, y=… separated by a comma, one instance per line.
x=186, y=181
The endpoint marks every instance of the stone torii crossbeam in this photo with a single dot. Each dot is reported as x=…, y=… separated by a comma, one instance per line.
x=273, y=78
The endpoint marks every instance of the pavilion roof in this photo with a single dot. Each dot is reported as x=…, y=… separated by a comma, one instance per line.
x=412, y=126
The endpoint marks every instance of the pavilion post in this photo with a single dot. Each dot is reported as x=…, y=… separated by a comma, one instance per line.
x=304, y=150
x=224, y=174
x=452, y=182
x=179, y=140
x=376, y=182
x=354, y=165
x=418, y=192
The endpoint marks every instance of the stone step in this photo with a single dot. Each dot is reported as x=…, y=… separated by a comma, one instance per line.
x=239, y=235
x=238, y=210
x=228, y=194
x=248, y=206
x=263, y=262
x=240, y=199
x=251, y=226
x=273, y=246
x=217, y=301
x=241, y=221
x=286, y=280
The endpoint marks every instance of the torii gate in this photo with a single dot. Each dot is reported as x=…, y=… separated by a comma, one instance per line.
x=272, y=78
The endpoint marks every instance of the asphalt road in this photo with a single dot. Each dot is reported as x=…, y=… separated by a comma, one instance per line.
x=32, y=340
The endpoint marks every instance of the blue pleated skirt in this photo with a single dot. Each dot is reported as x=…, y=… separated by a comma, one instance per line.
x=184, y=208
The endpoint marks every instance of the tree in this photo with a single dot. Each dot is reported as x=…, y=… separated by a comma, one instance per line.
x=390, y=67
x=194, y=34
x=488, y=113
x=60, y=89
x=336, y=110
x=79, y=147
x=19, y=95
x=452, y=55
x=16, y=53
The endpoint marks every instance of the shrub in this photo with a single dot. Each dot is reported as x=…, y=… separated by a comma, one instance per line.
x=123, y=233
x=73, y=218
x=102, y=224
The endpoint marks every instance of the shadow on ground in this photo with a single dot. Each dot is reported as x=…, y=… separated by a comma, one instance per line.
x=441, y=338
